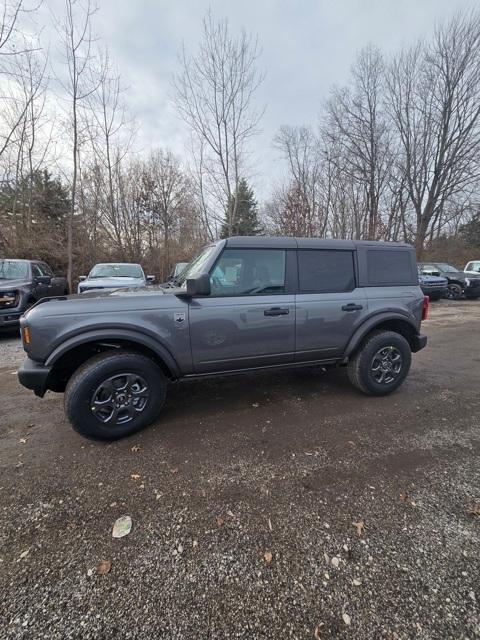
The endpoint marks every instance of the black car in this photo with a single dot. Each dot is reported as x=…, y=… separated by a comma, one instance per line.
x=459, y=282
x=23, y=282
x=435, y=287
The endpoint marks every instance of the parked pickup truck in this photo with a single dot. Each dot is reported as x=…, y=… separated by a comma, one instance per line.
x=459, y=282
x=245, y=303
x=435, y=287
x=22, y=283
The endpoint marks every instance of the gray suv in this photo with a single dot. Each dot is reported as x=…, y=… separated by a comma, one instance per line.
x=243, y=304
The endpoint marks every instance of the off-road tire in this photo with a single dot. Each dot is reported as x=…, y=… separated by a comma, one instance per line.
x=359, y=368
x=82, y=386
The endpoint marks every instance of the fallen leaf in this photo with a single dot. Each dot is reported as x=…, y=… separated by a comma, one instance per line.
x=352, y=443
x=24, y=554
x=475, y=510
x=230, y=513
x=195, y=543
x=174, y=470
x=135, y=447
x=122, y=527
x=135, y=476
x=317, y=631
x=404, y=497
x=335, y=562
x=346, y=618
x=104, y=567
x=268, y=556
x=23, y=441
x=360, y=526
x=356, y=582
x=220, y=521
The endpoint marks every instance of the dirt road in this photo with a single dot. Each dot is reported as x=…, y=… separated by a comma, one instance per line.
x=243, y=498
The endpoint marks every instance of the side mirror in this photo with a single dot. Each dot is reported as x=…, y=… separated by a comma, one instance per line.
x=197, y=287
x=150, y=278
x=43, y=279
x=82, y=278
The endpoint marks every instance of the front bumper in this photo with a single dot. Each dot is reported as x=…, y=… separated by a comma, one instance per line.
x=9, y=318
x=34, y=375
x=434, y=290
x=418, y=342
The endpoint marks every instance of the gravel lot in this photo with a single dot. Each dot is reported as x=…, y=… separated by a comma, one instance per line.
x=243, y=498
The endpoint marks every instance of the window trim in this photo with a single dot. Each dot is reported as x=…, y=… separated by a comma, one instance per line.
x=289, y=272
x=353, y=254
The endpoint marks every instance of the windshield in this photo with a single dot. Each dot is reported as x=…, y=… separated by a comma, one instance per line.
x=196, y=267
x=13, y=269
x=447, y=268
x=116, y=271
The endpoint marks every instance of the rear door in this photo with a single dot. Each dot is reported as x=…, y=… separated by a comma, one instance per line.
x=56, y=287
x=249, y=318
x=330, y=305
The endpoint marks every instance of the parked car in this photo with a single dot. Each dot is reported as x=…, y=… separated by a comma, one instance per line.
x=114, y=275
x=23, y=282
x=435, y=287
x=459, y=282
x=245, y=303
x=472, y=267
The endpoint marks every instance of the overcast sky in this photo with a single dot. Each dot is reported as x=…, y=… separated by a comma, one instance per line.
x=307, y=46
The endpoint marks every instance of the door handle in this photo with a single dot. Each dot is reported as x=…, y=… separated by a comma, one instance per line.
x=276, y=311
x=351, y=306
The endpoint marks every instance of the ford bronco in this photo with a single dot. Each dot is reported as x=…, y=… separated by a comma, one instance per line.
x=243, y=304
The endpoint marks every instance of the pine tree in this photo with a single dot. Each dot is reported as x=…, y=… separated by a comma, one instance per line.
x=246, y=222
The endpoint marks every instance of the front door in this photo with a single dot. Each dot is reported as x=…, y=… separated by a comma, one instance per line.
x=329, y=304
x=249, y=318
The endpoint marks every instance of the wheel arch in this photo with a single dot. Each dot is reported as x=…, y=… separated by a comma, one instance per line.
x=386, y=322
x=71, y=354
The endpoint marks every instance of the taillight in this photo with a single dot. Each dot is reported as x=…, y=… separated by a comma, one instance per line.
x=426, y=307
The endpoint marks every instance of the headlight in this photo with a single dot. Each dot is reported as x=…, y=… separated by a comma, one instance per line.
x=26, y=335
x=8, y=299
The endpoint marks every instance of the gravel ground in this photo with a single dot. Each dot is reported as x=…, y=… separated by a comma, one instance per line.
x=243, y=498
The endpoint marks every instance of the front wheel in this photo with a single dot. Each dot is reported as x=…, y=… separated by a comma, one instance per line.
x=381, y=364
x=454, y=292
x=115, y=394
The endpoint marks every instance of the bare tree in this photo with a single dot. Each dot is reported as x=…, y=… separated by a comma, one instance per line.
x=214, y=96
x=76, y=34
x=435, y=105
x=356, y=122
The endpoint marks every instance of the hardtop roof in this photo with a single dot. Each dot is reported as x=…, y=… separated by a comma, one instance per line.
x=285, y=242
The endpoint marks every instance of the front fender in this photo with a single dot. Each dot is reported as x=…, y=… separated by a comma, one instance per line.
x=105, y=335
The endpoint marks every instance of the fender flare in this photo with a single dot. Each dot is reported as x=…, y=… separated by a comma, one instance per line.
x=115, y=334
x=370, y=323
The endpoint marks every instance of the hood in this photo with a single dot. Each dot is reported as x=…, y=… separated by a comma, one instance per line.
x=5, y=285
x=111, y=283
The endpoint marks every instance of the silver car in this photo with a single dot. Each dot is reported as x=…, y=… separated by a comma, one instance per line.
x=114, y=275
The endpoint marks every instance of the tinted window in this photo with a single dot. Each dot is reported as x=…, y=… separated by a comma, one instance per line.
x=37, y=272
x=46, y=269
x=249, y=272
x=389, y=267
x=322, y=271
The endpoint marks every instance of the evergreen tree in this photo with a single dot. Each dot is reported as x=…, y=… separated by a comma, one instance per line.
x=246, y=222
x=470, y=231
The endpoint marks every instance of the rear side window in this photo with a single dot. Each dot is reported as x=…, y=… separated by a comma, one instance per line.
x=389, y=267
x=325, y=271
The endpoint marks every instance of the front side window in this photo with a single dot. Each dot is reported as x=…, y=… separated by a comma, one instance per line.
x=249, y=272
x=325, y=271
x=473, y=266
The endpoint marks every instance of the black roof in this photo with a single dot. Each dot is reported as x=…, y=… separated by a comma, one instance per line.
x=285, y=242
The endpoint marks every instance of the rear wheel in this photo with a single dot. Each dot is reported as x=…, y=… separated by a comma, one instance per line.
x=114, y=395
x=454, y=292
x=381, y=364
